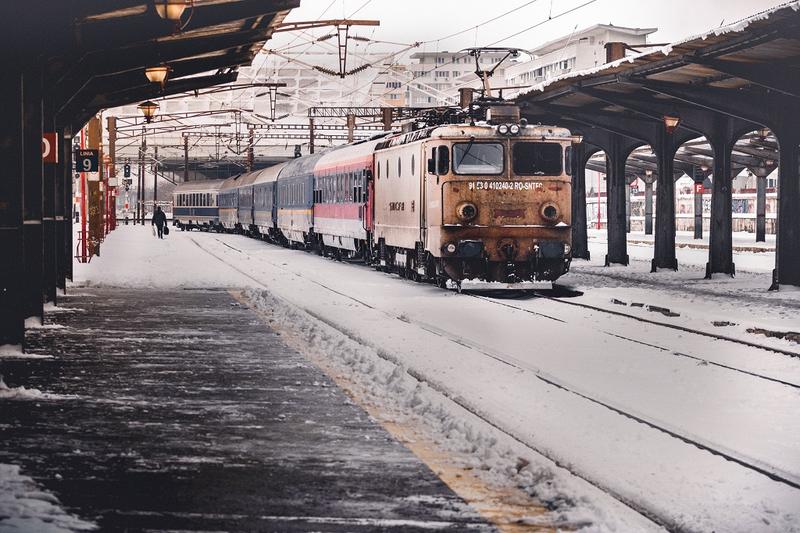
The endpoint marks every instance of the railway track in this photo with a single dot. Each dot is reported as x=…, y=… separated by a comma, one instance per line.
x=675, y=353
x=642, y=508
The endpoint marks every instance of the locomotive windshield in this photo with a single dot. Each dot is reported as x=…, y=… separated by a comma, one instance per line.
x=537, y=159
x=478, y=158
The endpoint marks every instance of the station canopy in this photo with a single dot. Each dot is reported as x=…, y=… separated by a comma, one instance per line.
x=94, y=52
x=722, y=74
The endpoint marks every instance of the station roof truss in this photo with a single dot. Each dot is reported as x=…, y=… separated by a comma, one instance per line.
x=93, y=52
x=746, y=75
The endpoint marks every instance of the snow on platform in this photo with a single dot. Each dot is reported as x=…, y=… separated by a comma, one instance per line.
x=176, y=409
x=618, y=424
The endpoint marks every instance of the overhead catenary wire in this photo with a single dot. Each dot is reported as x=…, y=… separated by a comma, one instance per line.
x=515, y=34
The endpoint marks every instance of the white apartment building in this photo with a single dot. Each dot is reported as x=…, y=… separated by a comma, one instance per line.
x=390, y=86
x=435, y=77
x=580, y=50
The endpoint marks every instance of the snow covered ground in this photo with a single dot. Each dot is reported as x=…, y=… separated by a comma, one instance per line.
x=616, y=424
x=26, y=507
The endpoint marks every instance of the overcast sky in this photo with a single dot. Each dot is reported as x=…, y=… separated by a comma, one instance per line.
x=408, y=21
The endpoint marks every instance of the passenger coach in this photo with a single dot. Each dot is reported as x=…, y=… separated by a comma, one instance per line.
x=195, y=205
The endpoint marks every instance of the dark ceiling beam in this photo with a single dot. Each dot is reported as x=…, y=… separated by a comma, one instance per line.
x=767, y=153
x=111, y=34
x=134, y=60
x=654, y=111
x=769, y=109
x=784, y=80
x=633, y=128
x=684, y=166
x=151, y=91
x=136, y=79
x=735, y=157
x=79, y=117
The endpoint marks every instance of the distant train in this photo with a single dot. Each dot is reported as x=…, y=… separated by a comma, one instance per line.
x=487, y=200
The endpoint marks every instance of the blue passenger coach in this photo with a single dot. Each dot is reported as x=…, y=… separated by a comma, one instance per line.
x=265, y=209
x=195, y=205
x=229, y=204
x=295, y=191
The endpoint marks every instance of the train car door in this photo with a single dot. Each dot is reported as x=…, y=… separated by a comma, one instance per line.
x=369, y=210
x=423, y=195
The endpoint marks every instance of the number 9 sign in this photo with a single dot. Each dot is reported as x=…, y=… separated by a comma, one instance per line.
x=86, y=161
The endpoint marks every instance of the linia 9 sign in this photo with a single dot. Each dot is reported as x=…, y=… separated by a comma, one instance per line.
x=86, y=160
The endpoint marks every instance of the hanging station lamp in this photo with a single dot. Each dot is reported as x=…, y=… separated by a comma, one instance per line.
x=171, y=10
x=671, y=122
x=148, y=109
x=158, y=74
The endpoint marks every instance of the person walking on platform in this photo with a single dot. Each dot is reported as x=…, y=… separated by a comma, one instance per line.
x=159, y=221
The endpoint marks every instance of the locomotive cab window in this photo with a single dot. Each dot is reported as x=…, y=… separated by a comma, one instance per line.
x=442, y=160
x=537, y=159
x=478, y=158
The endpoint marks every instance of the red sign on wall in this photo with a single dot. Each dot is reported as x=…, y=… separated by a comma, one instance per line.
x=49, y=147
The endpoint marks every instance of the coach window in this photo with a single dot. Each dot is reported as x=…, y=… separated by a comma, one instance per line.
x=386, y=168
x=412, y=164
x=399, y=167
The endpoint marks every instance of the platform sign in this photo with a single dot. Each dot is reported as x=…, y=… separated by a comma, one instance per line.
x=49, y=147
x=86, y=160
x=698, y=188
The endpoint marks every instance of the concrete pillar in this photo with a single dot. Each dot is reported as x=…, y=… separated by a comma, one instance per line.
x=761, y=203
x=49, y=202
x=787, y=252
x=351, y=126
x=32, y=234
x=580, y=240
x=386, y=112
x=12, y=316
x=720, y=248
x=627, y=206
x=64, y=209
x=616, y=157
x=648, y=204
x=664, y=250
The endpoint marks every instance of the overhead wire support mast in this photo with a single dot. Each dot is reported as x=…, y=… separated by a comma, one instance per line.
x=342, y=35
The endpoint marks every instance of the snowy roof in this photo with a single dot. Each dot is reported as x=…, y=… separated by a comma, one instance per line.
x=674, y=50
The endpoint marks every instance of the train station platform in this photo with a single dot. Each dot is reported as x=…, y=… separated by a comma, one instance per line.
x=180, y=409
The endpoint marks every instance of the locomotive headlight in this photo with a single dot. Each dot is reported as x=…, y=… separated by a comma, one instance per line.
x=567, y=249
x=502, y=129
x=466, y=211
x=514, y=129
x=451, y=248
x=550, y=212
